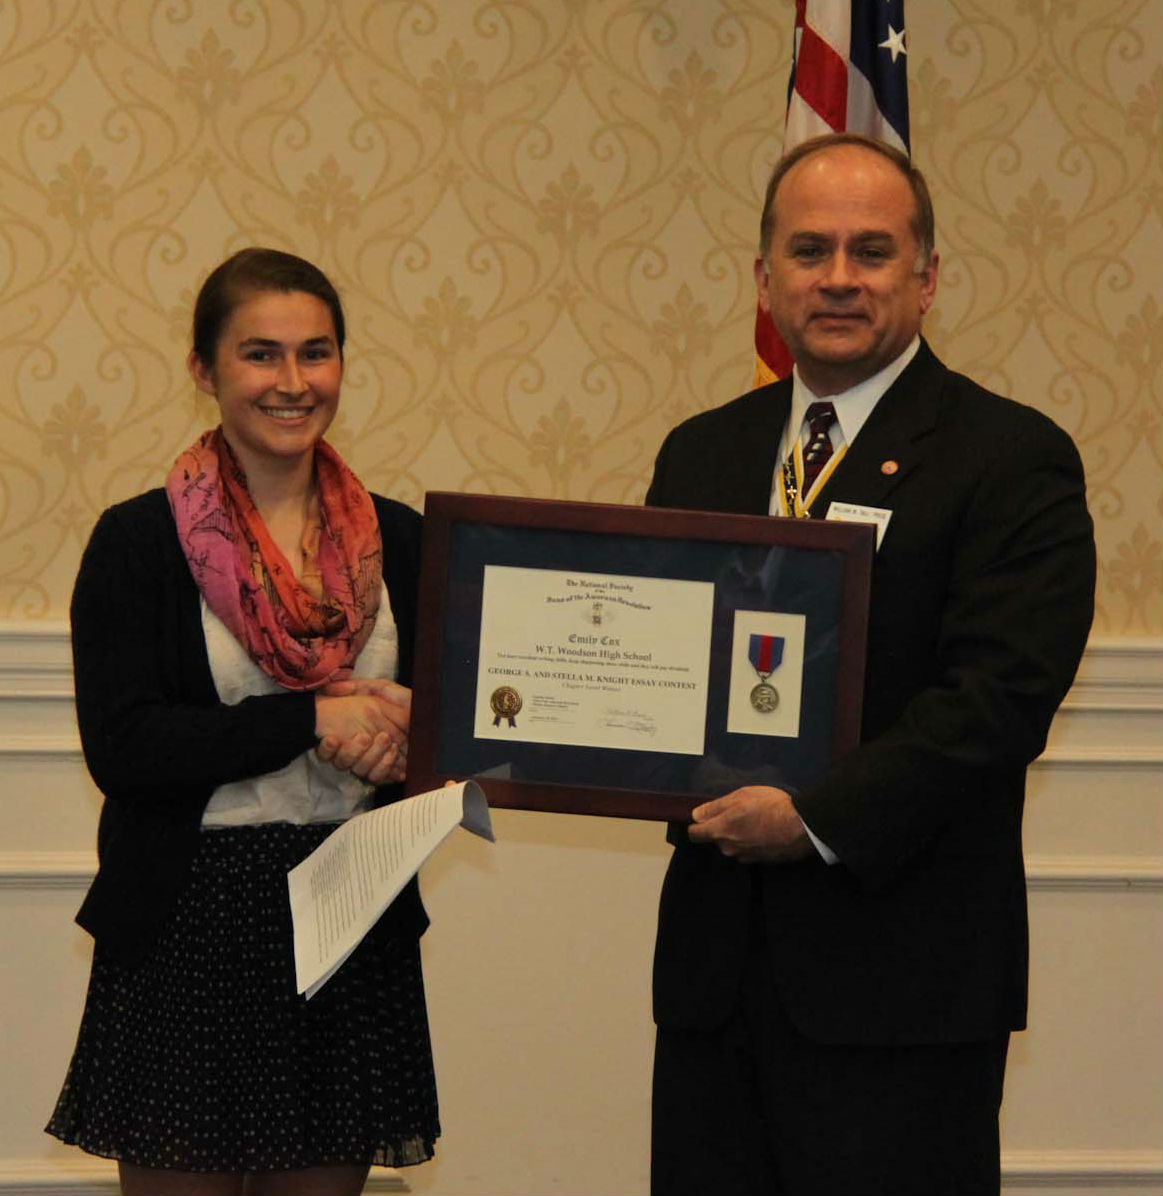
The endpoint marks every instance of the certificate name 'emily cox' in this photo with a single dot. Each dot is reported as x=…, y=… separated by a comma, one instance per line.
x=593, y=660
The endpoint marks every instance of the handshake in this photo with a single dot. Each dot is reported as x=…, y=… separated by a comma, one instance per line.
x=362, y=728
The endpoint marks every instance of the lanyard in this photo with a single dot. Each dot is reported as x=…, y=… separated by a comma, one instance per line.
x=792, y=503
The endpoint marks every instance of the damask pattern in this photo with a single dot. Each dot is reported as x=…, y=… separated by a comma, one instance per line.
x=1040, y=128
x=541, y=215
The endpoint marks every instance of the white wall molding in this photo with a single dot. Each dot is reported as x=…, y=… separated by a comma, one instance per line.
x=41, y=747
x=74, y=870
x=1116, y=758
x=35, y=660
x=1120, y=682
x=1093, y=872
x=1119, y=673
x=1116, y=671
x=47, y=869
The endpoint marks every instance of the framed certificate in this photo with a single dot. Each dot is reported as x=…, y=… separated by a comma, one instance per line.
x=630, y=661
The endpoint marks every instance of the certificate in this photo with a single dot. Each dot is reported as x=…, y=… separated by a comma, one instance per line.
x=593, y=659
x=632, y=662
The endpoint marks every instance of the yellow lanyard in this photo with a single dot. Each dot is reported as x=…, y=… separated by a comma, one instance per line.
x=791, y=501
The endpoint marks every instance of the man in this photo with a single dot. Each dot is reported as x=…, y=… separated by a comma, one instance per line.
x=838, y=970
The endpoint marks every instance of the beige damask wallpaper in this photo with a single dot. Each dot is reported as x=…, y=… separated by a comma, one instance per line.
x=541, y=214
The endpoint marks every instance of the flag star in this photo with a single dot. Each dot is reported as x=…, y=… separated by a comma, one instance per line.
x=894, y=43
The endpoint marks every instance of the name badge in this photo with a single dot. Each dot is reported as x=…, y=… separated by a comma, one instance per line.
x=850, y=512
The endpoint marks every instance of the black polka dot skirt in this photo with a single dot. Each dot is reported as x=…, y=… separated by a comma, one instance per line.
x=204, y=1058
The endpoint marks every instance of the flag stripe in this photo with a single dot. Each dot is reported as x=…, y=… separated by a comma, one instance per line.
x=822, y=79
x=802, y=122
x=770, y=350
x=864, y=114
x=831, y=22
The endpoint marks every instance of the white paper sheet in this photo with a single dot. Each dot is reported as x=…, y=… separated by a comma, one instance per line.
x=594, y=660
x=340, y=890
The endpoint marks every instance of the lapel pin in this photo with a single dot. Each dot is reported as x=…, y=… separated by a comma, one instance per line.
x=888, y=468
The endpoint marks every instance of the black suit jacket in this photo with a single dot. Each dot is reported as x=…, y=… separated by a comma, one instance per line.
x=982, y=597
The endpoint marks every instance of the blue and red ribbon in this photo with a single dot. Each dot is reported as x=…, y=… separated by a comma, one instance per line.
x=766, y=653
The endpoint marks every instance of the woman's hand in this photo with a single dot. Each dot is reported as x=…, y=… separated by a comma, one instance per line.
x=362, y=725
x=377, y=761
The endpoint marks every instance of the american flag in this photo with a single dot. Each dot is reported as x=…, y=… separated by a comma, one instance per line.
x=847, y=75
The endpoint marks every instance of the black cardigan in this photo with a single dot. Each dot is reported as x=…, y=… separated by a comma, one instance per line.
x=157, y=740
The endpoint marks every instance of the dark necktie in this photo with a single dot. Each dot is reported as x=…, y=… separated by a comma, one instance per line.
x=820, y=417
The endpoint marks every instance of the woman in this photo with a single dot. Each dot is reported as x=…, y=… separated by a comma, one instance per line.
x=241, y=639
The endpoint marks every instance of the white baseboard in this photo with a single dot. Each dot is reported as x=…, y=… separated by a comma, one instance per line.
x=88, y=1176
x=58, y=1177
x=1024, y=1173
x=1081, y=1173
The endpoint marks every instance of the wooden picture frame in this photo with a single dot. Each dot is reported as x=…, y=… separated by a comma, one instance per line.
x=516, y=686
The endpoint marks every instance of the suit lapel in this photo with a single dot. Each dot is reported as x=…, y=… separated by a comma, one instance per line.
x=752, y=457
x=894, y=440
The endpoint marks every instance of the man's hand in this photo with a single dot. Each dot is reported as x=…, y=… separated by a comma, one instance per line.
x=756, y=825
x=398, y=697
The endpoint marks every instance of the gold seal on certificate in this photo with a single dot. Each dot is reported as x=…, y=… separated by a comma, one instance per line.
x=505, y=702
x=764, y=698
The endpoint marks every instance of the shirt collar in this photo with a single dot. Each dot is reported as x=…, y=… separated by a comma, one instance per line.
x=853, y=406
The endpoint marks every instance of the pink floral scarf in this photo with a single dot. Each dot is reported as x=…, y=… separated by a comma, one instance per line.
x=301, y=639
